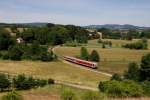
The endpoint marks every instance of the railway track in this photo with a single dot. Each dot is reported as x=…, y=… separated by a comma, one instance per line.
x=75, y=65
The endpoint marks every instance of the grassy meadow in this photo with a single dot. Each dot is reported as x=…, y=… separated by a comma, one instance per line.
x=113, y=60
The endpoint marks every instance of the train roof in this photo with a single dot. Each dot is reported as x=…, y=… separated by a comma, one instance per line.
x=81, y=59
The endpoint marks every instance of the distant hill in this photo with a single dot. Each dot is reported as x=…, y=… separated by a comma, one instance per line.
x=36, y=24
x=115, y=26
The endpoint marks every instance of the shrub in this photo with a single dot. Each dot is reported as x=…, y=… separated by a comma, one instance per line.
x=42, y=83
x=12, y=96
x=94, y=56
x=121, y=88
x=92, y=96
x=142, y=44
x=68, y=95
x=4, y=82
x=84, y=53
x=22, y=82
x=5, y=56
x=46, y=56
x=15, y=52
x=1, y=55
x=116, y=77
x=133, y=72
x=51, y=81
x=145, y=68
x=146, y=87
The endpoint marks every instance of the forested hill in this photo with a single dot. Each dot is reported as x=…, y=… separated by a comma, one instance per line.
x=116, y=26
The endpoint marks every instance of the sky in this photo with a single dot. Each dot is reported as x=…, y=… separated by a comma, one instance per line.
x=77, y=12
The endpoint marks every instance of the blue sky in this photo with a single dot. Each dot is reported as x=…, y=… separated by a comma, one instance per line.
x=78, y=12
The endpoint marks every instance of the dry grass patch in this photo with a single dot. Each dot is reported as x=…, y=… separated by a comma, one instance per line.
x=56, y=70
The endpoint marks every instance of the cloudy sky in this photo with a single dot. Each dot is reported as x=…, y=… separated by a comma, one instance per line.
x=78, y=12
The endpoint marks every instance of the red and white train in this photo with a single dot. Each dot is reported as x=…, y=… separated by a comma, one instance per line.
x=81, y=62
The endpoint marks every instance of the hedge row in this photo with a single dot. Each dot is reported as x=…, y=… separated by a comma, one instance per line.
x=22, y=82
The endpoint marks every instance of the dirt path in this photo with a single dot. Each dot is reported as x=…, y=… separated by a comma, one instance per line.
x=76, y=85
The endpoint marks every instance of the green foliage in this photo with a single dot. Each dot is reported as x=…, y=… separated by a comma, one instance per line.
x=116, y=77
x=142, y=44
x=94, y=56
x=4, y=82
x=92, y=96
x=121, y=88
x=46, y=56
x=84, y=53
x=12, y=96
x=133, y=72
x=21, y=82
x=145, y=68
x=146, y=87
x=51, y=81
x=55, y=34
x=5, y=56
x=15, y=52
x=5, y=39
x=1, y=55
x=67, y=94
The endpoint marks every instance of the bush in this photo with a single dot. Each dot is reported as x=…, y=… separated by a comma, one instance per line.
x=94, y=56
x=46, y=56
x=51, y=81
x=5, y=56
x=84, y=54
x=1, y=55
x=142, y=44
x=42, y=83
x=133, y=72
x=68, y=95
x=116, y=77
x=4, y=82
x=145, y=68
x=12, y=96
x=21, y=82
x=121, y=88
x=92, y=96
x=146, y=87
x=15, y=52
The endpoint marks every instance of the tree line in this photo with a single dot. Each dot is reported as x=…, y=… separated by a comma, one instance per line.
x=21, y=82
x=128, y=35
x=54, y=34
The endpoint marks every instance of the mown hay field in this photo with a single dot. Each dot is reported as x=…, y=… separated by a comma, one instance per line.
x=56, y=70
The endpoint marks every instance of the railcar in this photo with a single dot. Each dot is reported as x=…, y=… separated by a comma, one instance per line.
x=88, y=64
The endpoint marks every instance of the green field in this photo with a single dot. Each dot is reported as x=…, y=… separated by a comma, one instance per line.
x=113, y=60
